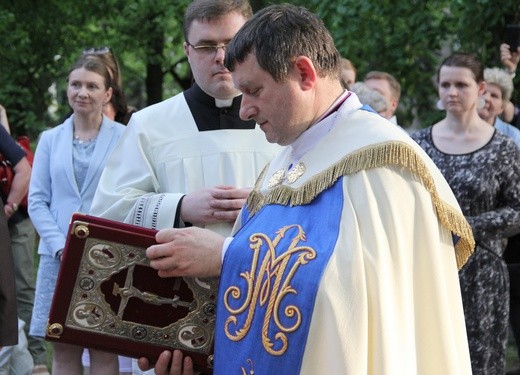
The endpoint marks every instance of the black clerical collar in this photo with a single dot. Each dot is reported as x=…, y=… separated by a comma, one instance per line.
x=208, y=116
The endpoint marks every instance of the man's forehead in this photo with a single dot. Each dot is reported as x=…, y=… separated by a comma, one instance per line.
x=247, y=67
x=225, y=26
x=241, y=77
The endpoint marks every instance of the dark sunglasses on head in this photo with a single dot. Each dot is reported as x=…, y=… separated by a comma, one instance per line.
x=97, y=51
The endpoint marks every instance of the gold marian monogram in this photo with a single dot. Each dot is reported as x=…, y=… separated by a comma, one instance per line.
x=279, y=176
x=269, y=284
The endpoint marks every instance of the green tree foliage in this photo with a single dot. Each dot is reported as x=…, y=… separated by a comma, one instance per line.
x=41, y=40
x=28, y=59
x=409, y=39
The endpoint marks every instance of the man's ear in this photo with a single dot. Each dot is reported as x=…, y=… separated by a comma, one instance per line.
x=482, y=88
x=306, y=72
x=394, y=104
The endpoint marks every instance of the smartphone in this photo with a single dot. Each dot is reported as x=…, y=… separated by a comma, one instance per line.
x=512, y=37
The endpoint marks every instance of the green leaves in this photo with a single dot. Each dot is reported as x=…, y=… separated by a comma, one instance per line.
x=40, y=41
x=409, y=39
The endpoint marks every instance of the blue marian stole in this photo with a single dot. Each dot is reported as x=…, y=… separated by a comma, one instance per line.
x=271, y=274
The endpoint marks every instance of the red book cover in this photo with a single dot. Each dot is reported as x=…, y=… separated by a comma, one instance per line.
x=109, y=298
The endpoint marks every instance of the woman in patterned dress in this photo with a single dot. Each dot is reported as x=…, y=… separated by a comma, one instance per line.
x=481, y=166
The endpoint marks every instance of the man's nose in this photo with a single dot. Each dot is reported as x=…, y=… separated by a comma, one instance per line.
x=220, y=53
x=247, y=111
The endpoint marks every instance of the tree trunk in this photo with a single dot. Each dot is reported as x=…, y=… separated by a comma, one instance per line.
x=154, y=83
x=154, y=70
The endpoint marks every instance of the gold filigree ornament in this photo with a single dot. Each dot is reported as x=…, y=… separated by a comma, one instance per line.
x=294, y=174
x=55, y=330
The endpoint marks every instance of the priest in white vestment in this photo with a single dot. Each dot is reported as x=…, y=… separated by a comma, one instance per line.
x=345, y=258
x=189, y=159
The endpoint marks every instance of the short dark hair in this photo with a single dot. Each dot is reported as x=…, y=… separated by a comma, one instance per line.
x=279, y=33
x=206, y=10
x=464, y=60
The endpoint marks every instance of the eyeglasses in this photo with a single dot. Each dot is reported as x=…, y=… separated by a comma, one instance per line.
x=209, y=49
x=97, y=51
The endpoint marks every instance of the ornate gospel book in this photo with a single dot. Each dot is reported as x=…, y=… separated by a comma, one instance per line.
x=109, y=298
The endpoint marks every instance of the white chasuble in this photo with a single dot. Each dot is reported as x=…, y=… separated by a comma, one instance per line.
x=386, y=297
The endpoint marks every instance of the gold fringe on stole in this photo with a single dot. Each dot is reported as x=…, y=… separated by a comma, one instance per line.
x=374, y=156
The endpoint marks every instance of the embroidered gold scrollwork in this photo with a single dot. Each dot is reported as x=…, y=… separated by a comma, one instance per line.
x=269, y=284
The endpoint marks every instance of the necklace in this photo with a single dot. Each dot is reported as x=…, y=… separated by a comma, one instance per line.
x=80, y=140
x=86, y=138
